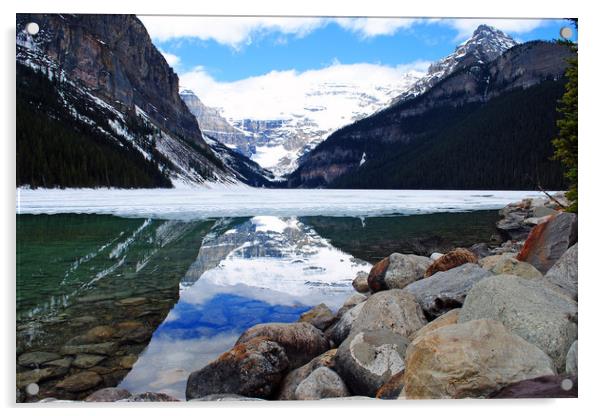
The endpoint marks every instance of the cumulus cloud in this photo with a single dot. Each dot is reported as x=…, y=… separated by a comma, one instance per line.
x=279, y=93
x=228, y=30
x=237, y=31
x=376, y=26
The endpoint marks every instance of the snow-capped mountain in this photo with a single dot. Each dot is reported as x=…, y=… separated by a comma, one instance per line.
x=486, y=44
x=277, y=135
x=109, y=104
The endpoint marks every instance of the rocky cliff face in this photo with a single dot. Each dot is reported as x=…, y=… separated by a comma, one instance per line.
x=108, y=62
x=211, y=121
x=520, y=67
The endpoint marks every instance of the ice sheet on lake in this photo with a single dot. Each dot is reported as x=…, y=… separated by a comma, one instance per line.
x=188, y=204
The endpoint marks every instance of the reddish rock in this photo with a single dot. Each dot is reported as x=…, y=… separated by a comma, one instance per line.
x=300, y=340
x=376, y=278
x=545, y=387
x=548, y=241
x=450, y=260
x=392, y=388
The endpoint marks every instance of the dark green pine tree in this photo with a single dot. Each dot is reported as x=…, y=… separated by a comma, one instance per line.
x=565, y=144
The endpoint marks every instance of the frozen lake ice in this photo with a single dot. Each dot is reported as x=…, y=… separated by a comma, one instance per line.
x=199, y=203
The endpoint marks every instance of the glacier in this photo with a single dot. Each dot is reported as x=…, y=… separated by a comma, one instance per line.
x=192, y=203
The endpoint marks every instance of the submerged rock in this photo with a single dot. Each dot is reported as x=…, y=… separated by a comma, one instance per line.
x=544, y=387
x=369, y=358
x=81, y=381
x=87, y=360
x=447, y=290
x=397, y=271
x=253, y=368
x=105, y=348
x=450, y=260
x=548, y=241
x=39, y=374
x=530, y=308
x=301, y=341
x=394, y=310
x=471, y=359
x=36, y=358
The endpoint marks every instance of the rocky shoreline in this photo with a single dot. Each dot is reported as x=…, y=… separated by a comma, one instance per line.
x=495, y=320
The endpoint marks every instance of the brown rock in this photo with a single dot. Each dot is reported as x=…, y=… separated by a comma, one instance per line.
x=376, y=278
x=253, y=368
x=471, y=359
x=450, y=260
x=392, y=388
x=548, y=241
x=301, y=341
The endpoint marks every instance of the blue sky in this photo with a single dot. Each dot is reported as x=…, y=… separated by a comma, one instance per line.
x=234, y=48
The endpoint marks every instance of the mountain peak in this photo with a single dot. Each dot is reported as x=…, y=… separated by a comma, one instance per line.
x=485, y=44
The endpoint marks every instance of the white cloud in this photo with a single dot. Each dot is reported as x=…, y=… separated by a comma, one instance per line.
x=370, y=27
x=282, y=93
x=172, y=60
x=465, y=27
x=228, y=30
x=237, y=31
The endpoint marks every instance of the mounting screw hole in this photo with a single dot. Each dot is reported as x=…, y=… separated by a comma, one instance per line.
x=32, y=28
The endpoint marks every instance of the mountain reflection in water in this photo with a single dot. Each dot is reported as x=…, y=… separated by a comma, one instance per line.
x=176, y=294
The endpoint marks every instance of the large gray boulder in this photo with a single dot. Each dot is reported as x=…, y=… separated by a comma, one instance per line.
x=369, y=358
x=397, y=271
x=339, y=331
x=530, y=308
x=548, y=241
x=471, y=359
x=300, y=340
x=254, y=369
x=322, y=383
x=447, y=290
x=394, y=310
x=294, y=378
x=564, y=272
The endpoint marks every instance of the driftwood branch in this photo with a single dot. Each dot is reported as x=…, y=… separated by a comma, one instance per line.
x=550, y=196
